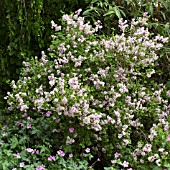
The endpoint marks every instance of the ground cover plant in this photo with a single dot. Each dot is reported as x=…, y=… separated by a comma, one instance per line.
x=90, y=102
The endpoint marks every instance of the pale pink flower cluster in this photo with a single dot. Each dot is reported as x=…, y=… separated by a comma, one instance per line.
x=77, y=21
x=32, y=151
x=123, y=25
x=73, y=83
x=55, y=26
x=41, y=167
x=51, y=158
x=52, y=79
x=61, y=153
x=22, y=164
x=18, y=155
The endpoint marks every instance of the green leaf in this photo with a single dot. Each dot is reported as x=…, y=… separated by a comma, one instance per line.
x=122, y=12
x=101, y=4
x=168, y=84
x=87, y=12
x=167, y=164
x=5, y=165
x=163, y=14
x=116, y=9
x=14, y=142
x=109, y=168
x=143, y=167
x=166, y=4
x=109, y=13
x=94, y=1
x=11, y=53
x=8, y=152
x=151, y=9
x=167, y=28
x=157, y=168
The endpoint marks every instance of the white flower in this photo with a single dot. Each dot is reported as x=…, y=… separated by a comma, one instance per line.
x=161, y=149
x=69, y=140
x=24, y=107
x=151, y=159
x=125, y=164
x=158, y=162
x=64, y=100
x=57, y=28
x=87, y=150
x=86, y=120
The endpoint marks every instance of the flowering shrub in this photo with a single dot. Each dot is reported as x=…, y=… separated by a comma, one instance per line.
x=95, y=94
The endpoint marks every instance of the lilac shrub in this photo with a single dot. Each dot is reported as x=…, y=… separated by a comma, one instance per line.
x=96, y=94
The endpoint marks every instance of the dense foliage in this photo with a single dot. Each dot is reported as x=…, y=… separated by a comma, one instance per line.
x=99, y=95
x=25, y=32
x=92, y=99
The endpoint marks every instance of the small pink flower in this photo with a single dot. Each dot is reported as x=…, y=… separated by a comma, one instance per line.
x=125, y=164
x=3, y=128
x=87, y=150
x=21, y=124
x=30, y=150
x=98, y=159
x=60, y=152
x=24, y=115
x=34, y=150
x=117, y=155
x=48, y=114
x=28, y=125
x=51, y=158
x=28, y=118
x=113, y=161
x=70, y=155
x=37, y=152
x=4, y=134
x=71, y=130
x=22, y=164
x=18, y=155
x=168, y=138
x=64, y=100
x=41, y=167
x=145, y=14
